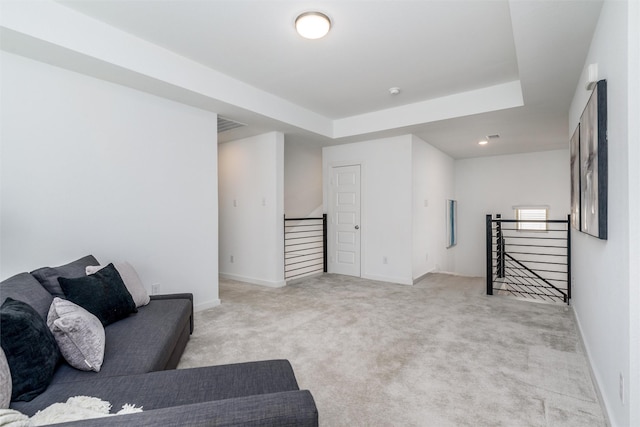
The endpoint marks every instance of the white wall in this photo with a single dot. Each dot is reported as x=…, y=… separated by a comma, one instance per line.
x=634, y=212
x=302, y=178
x=94, y=167
x=605, y=297
x=492, y=185
x=251, y=187
x=386, y=204
x=432, y=185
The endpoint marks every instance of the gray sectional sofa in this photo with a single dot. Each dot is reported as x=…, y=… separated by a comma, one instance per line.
x=141, y=353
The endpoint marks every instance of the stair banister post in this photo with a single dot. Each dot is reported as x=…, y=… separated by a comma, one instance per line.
x=489, y=251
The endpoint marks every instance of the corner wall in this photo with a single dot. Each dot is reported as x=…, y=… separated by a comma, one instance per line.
x=93, y=167
x=386, y=222
x=251, y=188
x=492, y=185
x=605, y=294
x=433, y=183
x=397, y=175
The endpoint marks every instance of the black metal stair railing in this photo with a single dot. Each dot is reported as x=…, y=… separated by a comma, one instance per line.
x=305, y=246
x=529, y=264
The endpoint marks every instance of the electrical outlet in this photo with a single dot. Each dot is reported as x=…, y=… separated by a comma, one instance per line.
x=235, y=203
x=426, y=257
x=384, y=260
x=621, y=388
x=231, y=259
x=426, y=203
x=155, y=289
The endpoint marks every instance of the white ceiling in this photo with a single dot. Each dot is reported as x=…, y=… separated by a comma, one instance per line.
x=430, y=49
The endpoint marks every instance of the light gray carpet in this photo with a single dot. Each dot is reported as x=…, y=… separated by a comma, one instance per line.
x=439, y=353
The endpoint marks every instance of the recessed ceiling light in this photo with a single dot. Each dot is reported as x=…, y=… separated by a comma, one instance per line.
x=394, y=90
x=313, y=25
x=483, y=142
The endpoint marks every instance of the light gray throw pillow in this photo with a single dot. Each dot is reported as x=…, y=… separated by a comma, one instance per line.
x=131, y=281
x=5, y=381
x=79, y=334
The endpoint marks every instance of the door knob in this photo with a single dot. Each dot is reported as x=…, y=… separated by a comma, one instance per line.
x=357, y=227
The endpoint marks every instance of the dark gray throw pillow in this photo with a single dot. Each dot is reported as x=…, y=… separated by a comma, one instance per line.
x=102, y=294
x=31, y=350
x=48, y=276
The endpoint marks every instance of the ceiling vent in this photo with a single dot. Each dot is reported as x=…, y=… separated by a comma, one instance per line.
x=225, y=124
x=494, y=136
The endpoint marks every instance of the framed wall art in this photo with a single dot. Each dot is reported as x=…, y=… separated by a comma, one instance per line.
x=452, y=213
x=593, y=163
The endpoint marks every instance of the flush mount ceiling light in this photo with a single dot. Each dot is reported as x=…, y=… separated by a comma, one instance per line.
x=488, y=138
x=313, y=25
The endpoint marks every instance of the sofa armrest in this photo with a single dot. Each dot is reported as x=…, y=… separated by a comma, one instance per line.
x=188, y=296
x=185, y=295
x=289, y=408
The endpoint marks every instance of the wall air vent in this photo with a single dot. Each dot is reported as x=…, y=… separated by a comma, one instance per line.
x=494, y=136
x=225, y=124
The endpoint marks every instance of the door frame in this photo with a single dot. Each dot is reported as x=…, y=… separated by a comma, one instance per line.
x=363, y=221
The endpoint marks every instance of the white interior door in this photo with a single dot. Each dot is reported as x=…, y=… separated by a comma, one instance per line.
x=344, y=225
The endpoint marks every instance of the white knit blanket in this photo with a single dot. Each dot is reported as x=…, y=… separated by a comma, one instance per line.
x=74, y=409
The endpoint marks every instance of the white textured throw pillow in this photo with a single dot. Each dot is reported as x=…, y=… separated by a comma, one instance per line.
x=131, y=281
x=79, y=334
x=5, y=382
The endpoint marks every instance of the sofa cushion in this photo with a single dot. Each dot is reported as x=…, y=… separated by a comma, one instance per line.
x=48, y=276
x=5, y=381
x=24, y=287
x=79, y=334
x=175, y=387
x=31, y=350
x=294, y=408
x=103, y=294
x=131, y=281
x=138, y=344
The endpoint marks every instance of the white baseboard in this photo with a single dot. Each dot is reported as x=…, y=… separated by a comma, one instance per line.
x=398, y=280
x=594, y=376
x=252, y=280
x=452, y=273
x=206, y=305
x=422, y=276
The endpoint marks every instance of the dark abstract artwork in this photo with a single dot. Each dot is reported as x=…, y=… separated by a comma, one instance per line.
x=593, y=164
x=575, y=179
